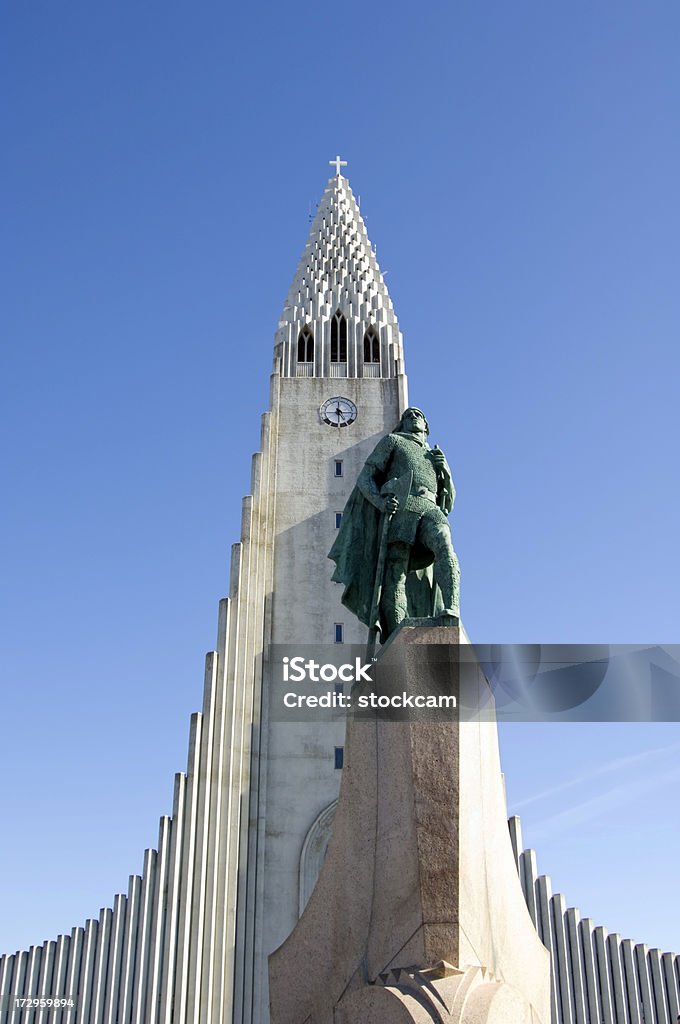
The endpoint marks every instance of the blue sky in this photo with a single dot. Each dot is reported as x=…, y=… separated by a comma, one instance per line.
x=518, y=168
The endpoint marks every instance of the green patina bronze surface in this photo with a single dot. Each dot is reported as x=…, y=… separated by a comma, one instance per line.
x=394, y=554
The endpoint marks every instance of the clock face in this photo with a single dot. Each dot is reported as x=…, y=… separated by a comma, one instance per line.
x=338, y=412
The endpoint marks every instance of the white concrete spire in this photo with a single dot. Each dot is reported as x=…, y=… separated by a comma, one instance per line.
x=338, y=271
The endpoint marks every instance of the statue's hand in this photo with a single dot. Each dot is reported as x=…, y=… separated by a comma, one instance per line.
x=391, y=505
x=437, y=456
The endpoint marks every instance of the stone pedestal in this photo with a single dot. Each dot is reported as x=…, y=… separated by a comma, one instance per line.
x=418, y=914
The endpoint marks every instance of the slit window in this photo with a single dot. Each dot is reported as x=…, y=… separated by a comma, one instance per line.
x=339, y=757
x=371, y=346
x=338, y=520
x=338, y=338
x=339, y=633
x=337, y=469
x=305, y=349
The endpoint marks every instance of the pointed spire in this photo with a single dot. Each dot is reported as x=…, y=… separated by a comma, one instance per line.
x=339, y=272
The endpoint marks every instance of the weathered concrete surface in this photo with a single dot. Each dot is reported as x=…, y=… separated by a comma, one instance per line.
x=419, y=870
x=417, y=999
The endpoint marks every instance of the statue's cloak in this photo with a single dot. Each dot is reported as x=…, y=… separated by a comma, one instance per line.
x=355, y=553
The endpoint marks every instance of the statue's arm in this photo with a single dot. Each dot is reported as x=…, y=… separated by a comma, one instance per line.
x=373, y=473
x=446, y=492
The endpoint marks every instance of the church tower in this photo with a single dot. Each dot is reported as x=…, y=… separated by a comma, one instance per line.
x=337, y=386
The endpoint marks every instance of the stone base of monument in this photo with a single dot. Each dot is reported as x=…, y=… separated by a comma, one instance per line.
x=418, y=914
x=411, y=996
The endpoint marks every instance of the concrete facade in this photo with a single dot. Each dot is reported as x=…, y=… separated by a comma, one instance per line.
x=190, y=940
x=597, y=977
x=616, y=985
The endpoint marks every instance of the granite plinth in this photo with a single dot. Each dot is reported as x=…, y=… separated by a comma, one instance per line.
x=419, y=872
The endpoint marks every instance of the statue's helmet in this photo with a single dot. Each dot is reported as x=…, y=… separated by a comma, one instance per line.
x=413, y=408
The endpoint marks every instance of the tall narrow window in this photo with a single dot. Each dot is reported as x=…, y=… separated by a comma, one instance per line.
x=339, y=633
x=371, y=346
x=338, y=338
x=339, y=758
x=305, y=350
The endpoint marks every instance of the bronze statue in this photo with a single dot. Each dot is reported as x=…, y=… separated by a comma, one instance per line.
x=394, y=552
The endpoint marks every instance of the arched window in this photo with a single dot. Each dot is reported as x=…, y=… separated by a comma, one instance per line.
x=338, y=338
x=305, y=351
x=371, y=346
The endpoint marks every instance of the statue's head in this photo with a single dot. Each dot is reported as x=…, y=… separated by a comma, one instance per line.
x=413, y=421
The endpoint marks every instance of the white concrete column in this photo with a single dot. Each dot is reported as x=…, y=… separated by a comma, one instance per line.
x=45, y=988
x=243, y=878
x=234, y=977
x=325, y=334
x=387, y=361
x=402, y=384
x=289, y=350
x=179, y=988
x=101, y=966
x=87, y=972
x=603, y=976
x=591, y=994
x=644, y=981
x=631, y=982
x=618, y=982
x=528, y=876
x=260, y=990
x=559, y=911
x=658, y=988
x=672, y=987
x=354, y=340
x=129, y=951
x=6, y=973
x=547, y=935
x=318, y=347
x=73, y=985
x=113, y=973
x=576, y=975
x=18, y=985
x=32, y=980
x=59, y=985
x=200, y=865
x=159, y=905
x=144, y=938
x=515, y=829
x=236, y=813
x=47, y=952
x=170, y=931
x=254, y=989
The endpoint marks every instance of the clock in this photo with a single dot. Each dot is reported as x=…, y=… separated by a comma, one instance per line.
x=338, y=412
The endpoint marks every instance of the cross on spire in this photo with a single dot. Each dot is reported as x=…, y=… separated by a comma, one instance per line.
x=338, y=163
